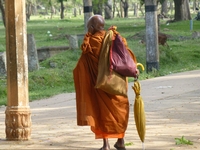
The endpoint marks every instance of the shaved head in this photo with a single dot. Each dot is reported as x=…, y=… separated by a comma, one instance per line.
x=95, y=23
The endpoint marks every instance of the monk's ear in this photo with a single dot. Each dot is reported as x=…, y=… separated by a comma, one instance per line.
x=91, y=29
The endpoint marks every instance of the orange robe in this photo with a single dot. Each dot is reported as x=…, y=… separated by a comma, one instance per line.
x=106, y=114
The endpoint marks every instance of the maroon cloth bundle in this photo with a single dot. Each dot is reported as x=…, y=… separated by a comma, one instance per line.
x=120, y=59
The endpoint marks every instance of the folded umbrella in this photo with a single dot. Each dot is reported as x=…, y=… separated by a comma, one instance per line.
x=139, y=112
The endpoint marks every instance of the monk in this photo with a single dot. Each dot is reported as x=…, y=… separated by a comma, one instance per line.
x=106, y=114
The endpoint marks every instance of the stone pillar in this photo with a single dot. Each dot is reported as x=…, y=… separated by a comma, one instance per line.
x=87, y=11
x=152, y=52
x=18, y=115
x=73, y=42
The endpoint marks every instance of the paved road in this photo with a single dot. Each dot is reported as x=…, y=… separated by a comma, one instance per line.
x=172, y=105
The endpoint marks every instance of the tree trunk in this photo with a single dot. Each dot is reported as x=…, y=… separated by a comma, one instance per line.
x=171, y=7
x=135, y=13
x=80, y=11
x=28, y=11
x=182, y=11
x=142, y=12
x=108, y=9
x=34, y=9
x=194, y=5
x=164, y=8
x=125, y=7
x=51, y=12
x=2, y=8
x=118, y=12
x=121, y=10
x=187, y=9
x=114, y=5
x=75, y=11
x=62, y=8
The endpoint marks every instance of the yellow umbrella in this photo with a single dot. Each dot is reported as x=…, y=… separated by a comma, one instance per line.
x=139, y=112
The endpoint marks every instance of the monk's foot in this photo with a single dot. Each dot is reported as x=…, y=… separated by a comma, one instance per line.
x=119, y=146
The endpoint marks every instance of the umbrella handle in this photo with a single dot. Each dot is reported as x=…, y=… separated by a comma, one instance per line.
x=141, y=65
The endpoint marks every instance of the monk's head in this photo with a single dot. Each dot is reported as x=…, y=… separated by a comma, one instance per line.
x=95, y=24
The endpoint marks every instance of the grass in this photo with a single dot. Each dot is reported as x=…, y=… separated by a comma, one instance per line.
x=51, y=81
x=183, y=55
x=183, y=141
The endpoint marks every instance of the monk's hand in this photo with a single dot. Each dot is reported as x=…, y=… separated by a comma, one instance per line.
x=137, y=73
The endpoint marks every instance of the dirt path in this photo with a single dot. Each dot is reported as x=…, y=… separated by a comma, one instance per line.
x=172, y=105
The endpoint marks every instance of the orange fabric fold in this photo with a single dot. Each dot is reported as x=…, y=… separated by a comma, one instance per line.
x=106, y=114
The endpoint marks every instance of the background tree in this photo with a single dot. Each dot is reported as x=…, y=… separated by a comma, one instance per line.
x=29, y=4
x=182, y=10
x=52, y=8
x=114, y=6
x=75, y=3
x=62, y=8
x=164, y=8
x=135, y=9
x=125, y=7
x=103, y=5
x=108, y=9
x=117, y=5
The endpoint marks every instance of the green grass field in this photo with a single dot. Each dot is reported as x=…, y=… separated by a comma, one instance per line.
x=183, y=55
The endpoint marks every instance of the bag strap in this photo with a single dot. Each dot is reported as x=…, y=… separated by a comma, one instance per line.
x=111, y=29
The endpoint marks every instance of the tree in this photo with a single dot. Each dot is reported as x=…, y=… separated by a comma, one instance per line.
x=62, y=8
x=77, y=3
x=135, y=7
x=164, y=7
x=182, y=11
x=29, y=4
x=50, y=3
x=125, y=7
x=100, y=5
x=28, y=9
x=108, y=9
x=2, y=8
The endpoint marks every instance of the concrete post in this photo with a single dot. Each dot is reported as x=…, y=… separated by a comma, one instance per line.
x=87, y=4
x=152, y=52
x=17, y=120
